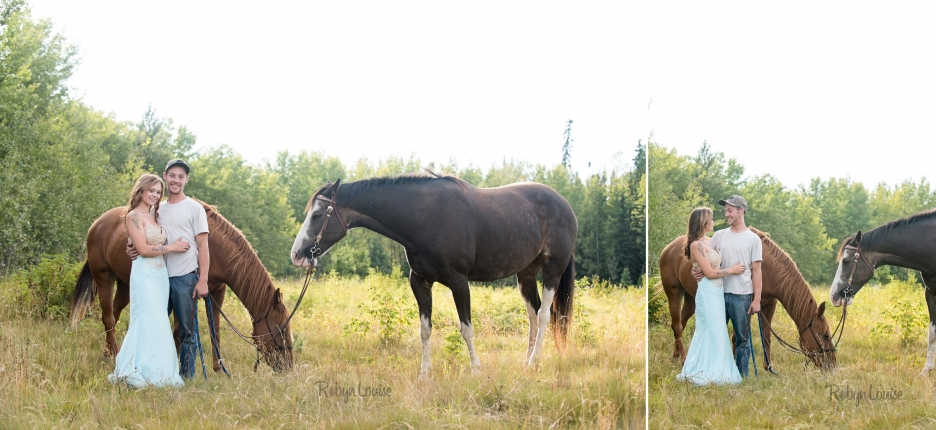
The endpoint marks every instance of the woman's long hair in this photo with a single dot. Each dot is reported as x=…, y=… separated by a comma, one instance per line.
x=698, y=219
x=144, y=183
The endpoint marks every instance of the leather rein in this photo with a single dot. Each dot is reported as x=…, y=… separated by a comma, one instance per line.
x=311, y=253
x=841, y=325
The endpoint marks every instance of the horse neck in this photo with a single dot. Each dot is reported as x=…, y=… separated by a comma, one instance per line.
x=387, y=211
x=895, y=247
x=795, y=296
x=243, y=272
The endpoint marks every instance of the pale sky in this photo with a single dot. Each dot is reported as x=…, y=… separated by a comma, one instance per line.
x=800, y=90
x=797, y=90
x=476, y=82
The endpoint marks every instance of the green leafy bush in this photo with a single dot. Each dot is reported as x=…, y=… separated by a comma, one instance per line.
x=657, y=306
x=388, y=305
x=44, y=290
x=908, y=317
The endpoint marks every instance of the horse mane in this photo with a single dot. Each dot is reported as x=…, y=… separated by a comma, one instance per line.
x=787, y=277
x=243, y=263
x=871, y=238
x=352, y=192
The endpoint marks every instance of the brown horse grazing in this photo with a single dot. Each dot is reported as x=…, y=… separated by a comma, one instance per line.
x=905, y=242
x=453, y=233
x=781, y=281
x=233, y=262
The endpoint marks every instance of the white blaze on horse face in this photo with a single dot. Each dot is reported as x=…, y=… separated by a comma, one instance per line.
x=304, y=238
x=837, y=284
x=931, y=351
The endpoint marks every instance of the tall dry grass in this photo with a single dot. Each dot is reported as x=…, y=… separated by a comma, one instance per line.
x=877, y=383
x=54, y=377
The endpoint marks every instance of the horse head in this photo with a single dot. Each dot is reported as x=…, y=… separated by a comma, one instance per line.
x=816, y=341
x=854, y=270
x=273, y=336
x=319, y=232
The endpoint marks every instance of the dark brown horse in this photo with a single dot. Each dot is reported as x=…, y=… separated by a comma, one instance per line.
x=233, y=262
x=454, y=233
x=907, y=242
x=781, y=281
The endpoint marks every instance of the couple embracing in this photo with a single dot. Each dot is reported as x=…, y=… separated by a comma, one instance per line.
x=168, y=241
x=728, y=270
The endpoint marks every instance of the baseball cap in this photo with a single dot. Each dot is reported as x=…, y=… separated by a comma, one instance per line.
x=736, y=201
x=177, y=162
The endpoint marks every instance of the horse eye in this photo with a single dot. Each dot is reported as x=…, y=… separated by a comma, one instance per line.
x=316, y=216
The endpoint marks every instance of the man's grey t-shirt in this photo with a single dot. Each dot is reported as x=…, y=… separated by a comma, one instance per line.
x=185, y=219
x=744, y=248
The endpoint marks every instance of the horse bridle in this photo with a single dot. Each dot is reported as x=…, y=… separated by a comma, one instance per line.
x=315, y=250
x=858, y=254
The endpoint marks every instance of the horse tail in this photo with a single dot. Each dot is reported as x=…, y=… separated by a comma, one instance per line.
x=83, y=296
x=561, y=315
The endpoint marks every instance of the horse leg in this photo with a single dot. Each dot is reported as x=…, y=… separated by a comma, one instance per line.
x=688, y=310
x=674, y=298
x=121, y=299
x=217, y=296
x=462, y=296
x=422, y=289
x=542, y=316
x=767, y=312
x=105, y=285
x=526, y=281
x=930, y=282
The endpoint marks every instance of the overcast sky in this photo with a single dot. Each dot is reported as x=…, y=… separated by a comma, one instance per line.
x=797, y=90
x=800, y=90
x=477, y=82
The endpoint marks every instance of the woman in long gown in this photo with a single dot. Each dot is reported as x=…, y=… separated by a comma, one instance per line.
x=147, y=355
x=709, y=360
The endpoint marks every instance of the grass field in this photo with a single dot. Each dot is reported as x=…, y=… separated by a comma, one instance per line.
x=359, y=338
x=877, y=383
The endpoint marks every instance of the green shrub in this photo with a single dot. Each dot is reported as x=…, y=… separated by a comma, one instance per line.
x=908, y=317
x=657, y=305
x=388, y=305
x=45, y=290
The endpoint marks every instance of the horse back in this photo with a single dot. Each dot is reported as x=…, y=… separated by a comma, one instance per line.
x=511, y=226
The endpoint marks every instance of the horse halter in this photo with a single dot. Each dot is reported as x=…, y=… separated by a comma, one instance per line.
x=315, y=250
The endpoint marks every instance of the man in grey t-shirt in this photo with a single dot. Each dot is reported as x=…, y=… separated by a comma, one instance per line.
x=184, y=218
x=738, y=244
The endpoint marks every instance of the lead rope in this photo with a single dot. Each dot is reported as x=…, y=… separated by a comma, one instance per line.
x=215, y=342
x=198, y=339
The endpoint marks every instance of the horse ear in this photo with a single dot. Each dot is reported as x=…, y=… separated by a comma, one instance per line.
x=338, y=182
x=277, y=296
x=821, y=309
x=858, y=237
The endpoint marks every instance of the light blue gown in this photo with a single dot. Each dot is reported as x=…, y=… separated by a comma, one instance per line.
x=147, y=355
x=709, y=360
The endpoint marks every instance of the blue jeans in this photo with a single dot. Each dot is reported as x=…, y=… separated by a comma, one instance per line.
x=736, y=307
x=184, y=306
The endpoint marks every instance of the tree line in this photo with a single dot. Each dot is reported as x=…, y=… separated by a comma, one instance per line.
x=63, y=164
x=809, y=222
